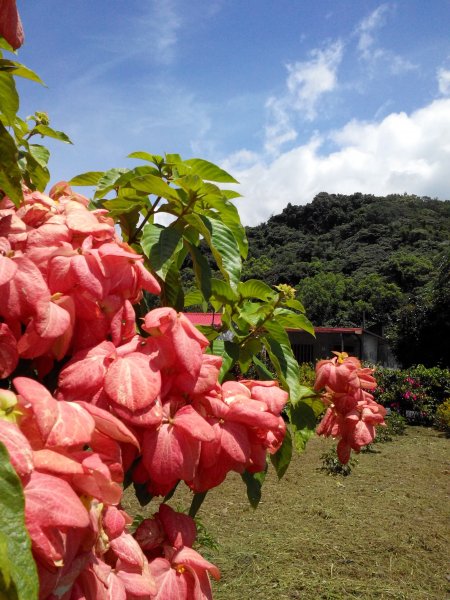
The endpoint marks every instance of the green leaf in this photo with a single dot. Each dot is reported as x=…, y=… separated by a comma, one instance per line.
x=254, y=313
x=8, y=589
x=17, y=567
x=193, y=298
x=9, y=98
x=128, y=222
x=248, y=352
x=173, y=159
x=36, y=173
x=292, y=320
x=196, y=503
x=312, y=399
x=202, y=271
x=160, y=244
x=85, y=179
x=280, y=352
x=5, y=46
x=222, y=292
x=126, y=177
x=303, y=422
x=254, y=483
x=172, y=290
x=15, y=68
x=282, y=457
x=209, y=171
x=231, y=194
x=295, y=304
x=151, y=184
x=254, y=288
x=40, y=154
x=120, y=206
x=152, y=158
x=229, y=214
x=52, y=133
x=229, y=351
x=223, y=246
x=10, y=174
x=107, y=181
x=263, y=372
x=192, y=185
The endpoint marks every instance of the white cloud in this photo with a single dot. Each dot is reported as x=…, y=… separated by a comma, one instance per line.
x=401, y=153
x=366, y=29
x=306, y=83
x=368, y=48
x=159, y=29
x=309, y=80
x=443, y=76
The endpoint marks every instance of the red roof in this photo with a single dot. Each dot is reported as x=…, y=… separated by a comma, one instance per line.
x=356, y=330
x=198, y=318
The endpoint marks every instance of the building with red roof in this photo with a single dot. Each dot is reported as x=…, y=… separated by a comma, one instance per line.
x=356, y=341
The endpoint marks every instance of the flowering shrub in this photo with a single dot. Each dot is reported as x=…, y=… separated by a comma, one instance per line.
x=415, y=393
x=352, y=413
x=96, y=390
x=151, y=404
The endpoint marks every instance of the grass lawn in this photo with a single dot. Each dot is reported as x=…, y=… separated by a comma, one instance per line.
x=382, y=532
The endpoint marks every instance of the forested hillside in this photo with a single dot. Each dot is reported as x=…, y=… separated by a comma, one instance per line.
x=363, y=259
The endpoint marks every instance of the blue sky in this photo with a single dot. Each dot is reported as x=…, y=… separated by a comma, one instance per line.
x=293, y=97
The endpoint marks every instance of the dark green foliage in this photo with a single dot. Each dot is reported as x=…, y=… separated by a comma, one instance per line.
x=423, y=327
x=331, y=464
x=380, y=262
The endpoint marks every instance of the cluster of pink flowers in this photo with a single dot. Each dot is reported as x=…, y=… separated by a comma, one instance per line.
x=179, y=571
x=166, y=389
x=66, y=281
x=150, y=403
x=68, y=457
x=352, y=414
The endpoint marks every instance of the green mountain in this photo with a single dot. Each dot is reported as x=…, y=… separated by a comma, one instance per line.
x=381, y=262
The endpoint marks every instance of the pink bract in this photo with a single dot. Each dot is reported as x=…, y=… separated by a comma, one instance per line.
x=352, y=414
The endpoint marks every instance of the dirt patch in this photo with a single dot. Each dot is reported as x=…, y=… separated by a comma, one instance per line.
x=380, y=533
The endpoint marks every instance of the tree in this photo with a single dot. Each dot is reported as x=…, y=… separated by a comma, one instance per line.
x=425, y=323
x=325, y=298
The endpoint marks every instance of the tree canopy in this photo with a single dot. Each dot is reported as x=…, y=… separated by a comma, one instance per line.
x=363, y=259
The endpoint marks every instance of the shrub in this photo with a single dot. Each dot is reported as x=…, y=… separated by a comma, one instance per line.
x=395, y=425
x=307, y=374
x=333, y=466
x=442, y=420
x=414, y=393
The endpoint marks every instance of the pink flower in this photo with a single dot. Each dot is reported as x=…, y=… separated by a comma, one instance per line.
x=343, y=373
x=66, y=455
x=352, y=414
x=179, y=571
x=10, y=24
